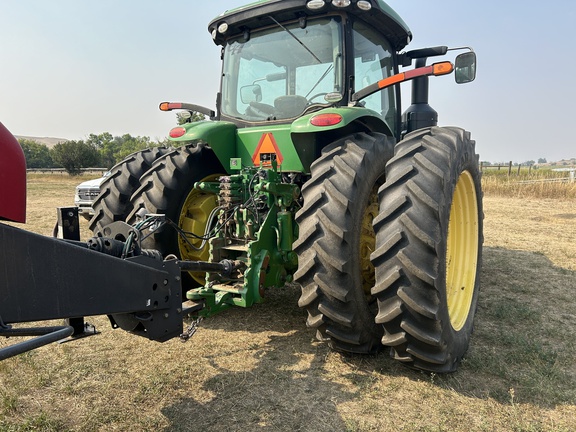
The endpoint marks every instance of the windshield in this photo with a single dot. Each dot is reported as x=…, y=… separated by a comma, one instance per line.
x=281, y=72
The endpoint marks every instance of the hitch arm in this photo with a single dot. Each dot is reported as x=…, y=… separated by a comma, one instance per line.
x=224, y=267
x=42, y=278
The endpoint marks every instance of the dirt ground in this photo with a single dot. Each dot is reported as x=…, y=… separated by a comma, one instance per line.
x=261, y=369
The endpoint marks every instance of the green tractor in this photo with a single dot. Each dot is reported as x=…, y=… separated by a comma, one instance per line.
x=308, y=172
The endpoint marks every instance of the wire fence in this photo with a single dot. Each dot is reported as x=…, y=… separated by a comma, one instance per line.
x=61, y=171
x=518, y=169
x=507, y=166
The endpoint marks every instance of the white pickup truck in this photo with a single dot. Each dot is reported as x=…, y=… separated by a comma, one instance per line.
x=86, y=193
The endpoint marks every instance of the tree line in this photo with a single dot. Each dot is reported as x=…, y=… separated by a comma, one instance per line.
x=526, y=163
x=102, y=150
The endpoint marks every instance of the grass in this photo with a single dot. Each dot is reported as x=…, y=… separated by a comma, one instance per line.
x=261, y=370
x=527, y=184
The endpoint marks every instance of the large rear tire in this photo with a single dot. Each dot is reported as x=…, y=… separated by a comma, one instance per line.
x=336, y=239
x=429, y=248
x=113, y=203
x=168, y=189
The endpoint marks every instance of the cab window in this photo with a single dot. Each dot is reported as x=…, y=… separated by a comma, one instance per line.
x=373, y=61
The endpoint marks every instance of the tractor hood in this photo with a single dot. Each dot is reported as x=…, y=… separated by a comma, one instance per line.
x=256, y=15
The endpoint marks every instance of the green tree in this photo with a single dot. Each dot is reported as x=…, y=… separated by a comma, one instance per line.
x=542, y=160
x=189, y=117
x=74, y=155
x=130, y=144
x=99, y=141
x=37, y=155
x=113, y=149
x=107, y=147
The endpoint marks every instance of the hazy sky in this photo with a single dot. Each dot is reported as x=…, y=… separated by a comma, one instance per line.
x=69, y=68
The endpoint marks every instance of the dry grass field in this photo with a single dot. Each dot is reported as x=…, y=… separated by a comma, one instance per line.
x=261, y=370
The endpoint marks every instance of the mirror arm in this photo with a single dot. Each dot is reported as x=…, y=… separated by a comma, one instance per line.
x=405, y=58
x=461, y=48
x=441, y=68
x=169, y=106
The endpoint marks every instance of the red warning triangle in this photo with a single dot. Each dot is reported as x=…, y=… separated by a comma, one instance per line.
x=266, y=151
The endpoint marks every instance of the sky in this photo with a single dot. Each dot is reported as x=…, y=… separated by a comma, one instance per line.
x=69, y=68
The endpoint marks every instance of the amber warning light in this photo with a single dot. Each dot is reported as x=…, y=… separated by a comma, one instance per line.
x=169, y=106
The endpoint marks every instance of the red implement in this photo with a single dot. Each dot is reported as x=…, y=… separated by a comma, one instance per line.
x=12, y=178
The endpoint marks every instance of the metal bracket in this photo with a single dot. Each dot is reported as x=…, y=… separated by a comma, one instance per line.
x=81, y=330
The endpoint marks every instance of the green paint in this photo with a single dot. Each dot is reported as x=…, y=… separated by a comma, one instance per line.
x=249, y=138
x=219, y=135
x=349, y=115
x=262, y=243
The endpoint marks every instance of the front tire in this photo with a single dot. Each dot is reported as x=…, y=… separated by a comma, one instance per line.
x=429, y=248
x=336, y=239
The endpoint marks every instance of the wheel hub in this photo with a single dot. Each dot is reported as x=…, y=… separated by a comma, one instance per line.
x=193, y=220
x=462, y=251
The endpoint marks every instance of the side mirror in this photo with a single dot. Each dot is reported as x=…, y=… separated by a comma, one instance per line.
x=465, y=67
x=251, y=93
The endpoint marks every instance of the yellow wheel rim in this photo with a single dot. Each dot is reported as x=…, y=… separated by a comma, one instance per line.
x=193, y=219
x=462, y=251
x=368, y=242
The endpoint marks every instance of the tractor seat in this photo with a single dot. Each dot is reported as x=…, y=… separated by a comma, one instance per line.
x=289, y=106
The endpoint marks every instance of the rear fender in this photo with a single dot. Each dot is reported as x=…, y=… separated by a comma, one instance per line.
x=309, y=140
x=219, y=135
x=370, y=120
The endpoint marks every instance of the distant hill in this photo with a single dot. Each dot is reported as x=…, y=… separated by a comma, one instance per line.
x=47, y=141
x=560, y=163
x=567, y=162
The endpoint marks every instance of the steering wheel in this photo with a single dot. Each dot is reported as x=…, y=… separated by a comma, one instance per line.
x=316, y=96
x=262, y=108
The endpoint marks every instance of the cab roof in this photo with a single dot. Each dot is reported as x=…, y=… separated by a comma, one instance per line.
x=256, y=15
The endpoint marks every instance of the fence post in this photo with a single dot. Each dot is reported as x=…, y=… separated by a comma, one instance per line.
x=509, y=168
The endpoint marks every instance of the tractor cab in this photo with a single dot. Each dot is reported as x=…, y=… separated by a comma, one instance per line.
x=298, y=74
x=286, y=59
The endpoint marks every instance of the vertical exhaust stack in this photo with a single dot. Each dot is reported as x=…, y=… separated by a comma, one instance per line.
x=420, y=114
